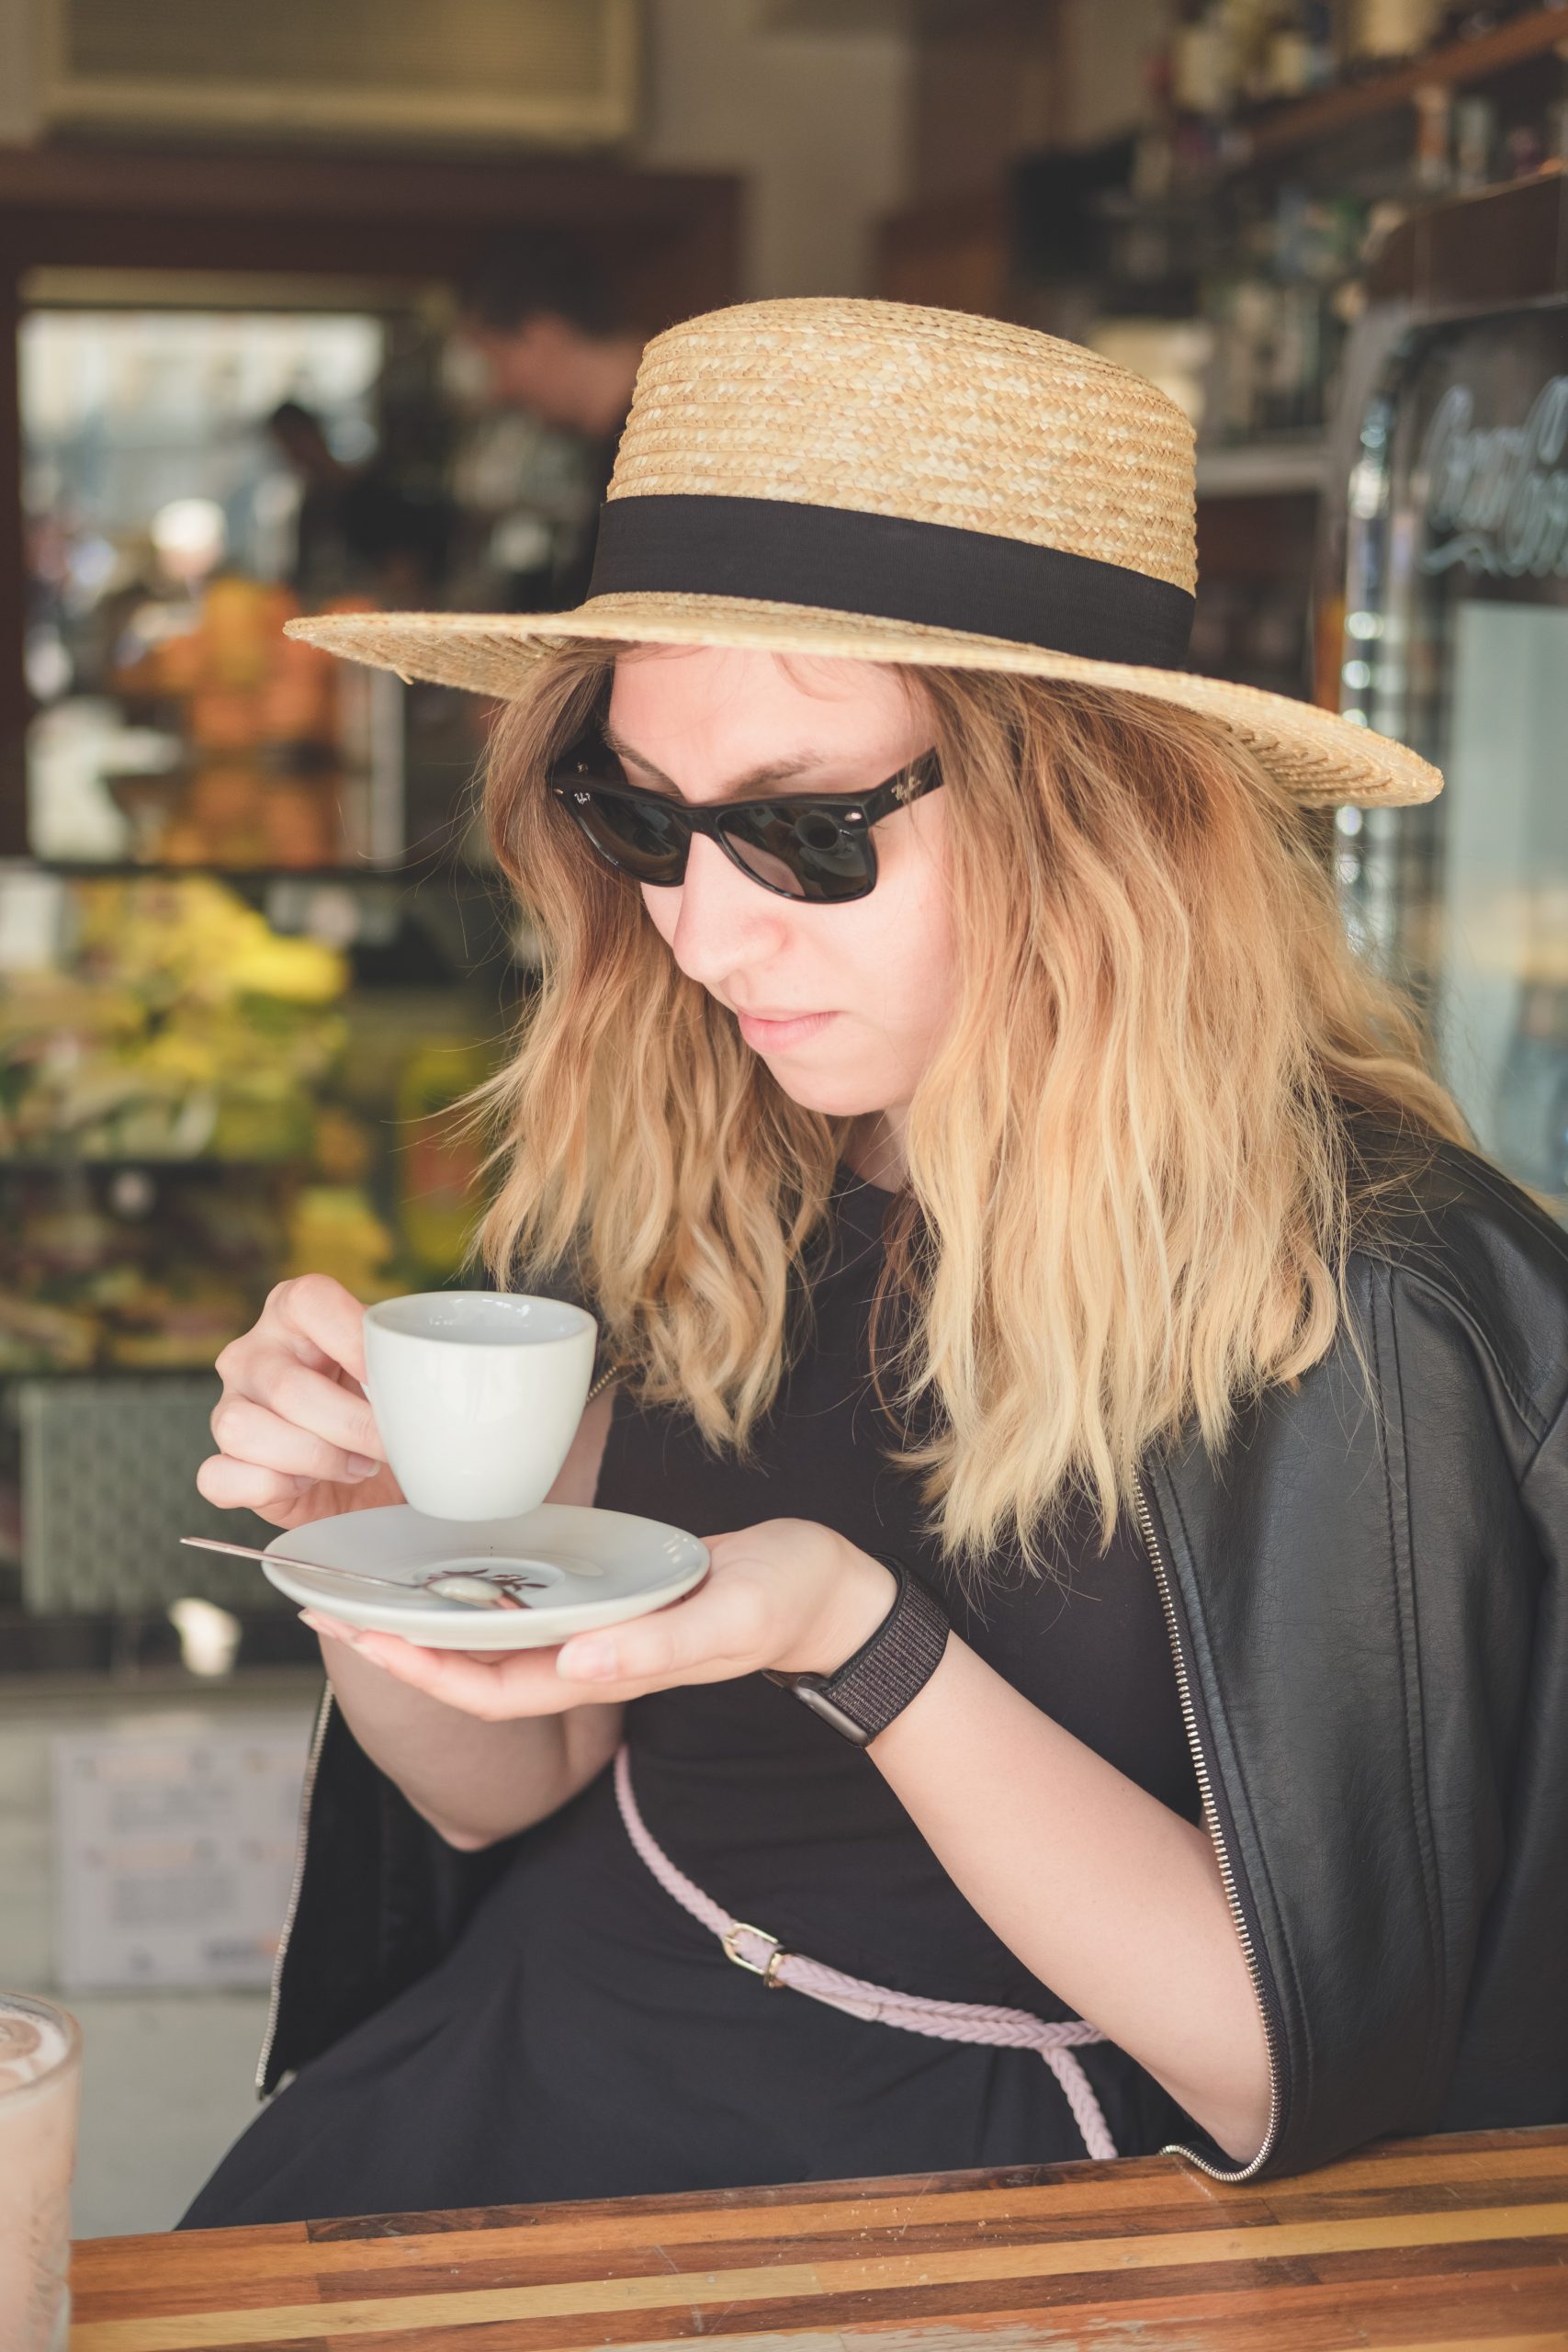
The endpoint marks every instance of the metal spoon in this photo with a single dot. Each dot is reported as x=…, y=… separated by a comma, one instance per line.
x=482, y=1588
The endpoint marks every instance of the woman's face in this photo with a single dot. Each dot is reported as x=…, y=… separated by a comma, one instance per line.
x=844, y=1003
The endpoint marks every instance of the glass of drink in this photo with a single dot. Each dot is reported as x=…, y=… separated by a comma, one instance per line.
x=41, y=2070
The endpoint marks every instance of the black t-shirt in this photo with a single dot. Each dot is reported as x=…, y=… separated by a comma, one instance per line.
x=768, y=1807
x=586, y=2038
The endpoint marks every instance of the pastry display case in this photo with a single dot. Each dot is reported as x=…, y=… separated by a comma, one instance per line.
x=252, y=949
x=255, y=954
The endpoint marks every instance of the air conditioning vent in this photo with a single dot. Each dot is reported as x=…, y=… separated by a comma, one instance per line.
x=551, y=73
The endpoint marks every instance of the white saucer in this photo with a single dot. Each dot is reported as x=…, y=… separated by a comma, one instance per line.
x=599, y=1568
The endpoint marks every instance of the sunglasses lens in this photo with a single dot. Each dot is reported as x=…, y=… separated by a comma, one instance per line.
x=644, y=837
x=808, y=852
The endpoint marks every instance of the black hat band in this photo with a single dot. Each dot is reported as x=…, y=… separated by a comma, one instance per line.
x=885, y=567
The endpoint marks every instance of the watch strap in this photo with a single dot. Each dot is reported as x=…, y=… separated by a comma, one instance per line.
x=877, y=1683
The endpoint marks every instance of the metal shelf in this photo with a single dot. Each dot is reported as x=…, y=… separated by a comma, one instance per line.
x=1263, y=469
x=146, y=1162
x=131, y=869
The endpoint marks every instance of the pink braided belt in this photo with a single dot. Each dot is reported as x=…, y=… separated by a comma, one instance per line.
x=754, y=1949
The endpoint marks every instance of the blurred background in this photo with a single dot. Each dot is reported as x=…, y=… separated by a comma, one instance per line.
x=340, y=307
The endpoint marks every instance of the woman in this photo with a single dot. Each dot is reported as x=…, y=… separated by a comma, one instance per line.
x=1008, y=1208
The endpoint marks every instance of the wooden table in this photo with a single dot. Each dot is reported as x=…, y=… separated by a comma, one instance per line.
x=1436, y=2242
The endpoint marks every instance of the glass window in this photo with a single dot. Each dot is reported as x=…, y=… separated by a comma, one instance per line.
x=1456, y=641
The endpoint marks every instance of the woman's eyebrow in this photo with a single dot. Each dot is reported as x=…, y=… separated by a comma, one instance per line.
x=740, y=787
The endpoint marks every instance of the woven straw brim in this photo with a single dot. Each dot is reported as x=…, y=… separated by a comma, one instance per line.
x=1320, y=758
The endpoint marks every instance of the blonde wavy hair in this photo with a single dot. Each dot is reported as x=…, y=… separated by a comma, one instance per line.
x=1130, y=1181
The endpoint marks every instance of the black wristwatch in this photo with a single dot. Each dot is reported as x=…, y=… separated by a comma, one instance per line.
x=861, y=1699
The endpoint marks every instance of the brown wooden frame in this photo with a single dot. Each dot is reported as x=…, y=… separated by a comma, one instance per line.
x=671, y=239
x=251, y=102
x=1502, y=246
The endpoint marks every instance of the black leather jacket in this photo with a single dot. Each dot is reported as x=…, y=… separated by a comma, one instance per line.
x=1368, y=1615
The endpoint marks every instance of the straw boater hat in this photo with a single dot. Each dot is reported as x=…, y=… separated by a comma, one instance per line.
x=897, y=484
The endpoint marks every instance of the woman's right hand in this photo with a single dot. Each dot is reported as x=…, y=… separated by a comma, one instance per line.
x=297, y=1438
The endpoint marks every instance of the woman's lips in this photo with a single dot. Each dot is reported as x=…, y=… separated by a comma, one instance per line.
x=765, y=1037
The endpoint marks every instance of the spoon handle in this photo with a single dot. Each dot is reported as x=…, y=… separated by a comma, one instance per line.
x=347, y=1576
x=282, y=1560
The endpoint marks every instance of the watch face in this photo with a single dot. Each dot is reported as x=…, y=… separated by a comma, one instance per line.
x=811, y=1693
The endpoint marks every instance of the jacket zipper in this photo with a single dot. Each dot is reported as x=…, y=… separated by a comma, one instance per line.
x=1227, y=1874
x=312, y=1763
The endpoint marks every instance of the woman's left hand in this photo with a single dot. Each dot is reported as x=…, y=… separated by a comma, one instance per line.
x=788, y=1593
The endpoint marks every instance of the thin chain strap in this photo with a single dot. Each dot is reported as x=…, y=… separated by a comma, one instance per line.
x=613, y=1372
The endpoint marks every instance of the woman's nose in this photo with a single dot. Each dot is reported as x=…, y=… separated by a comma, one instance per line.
x=726, y=921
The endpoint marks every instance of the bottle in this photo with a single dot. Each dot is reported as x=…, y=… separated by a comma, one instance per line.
x=1323, y=43
x=1385, y=30
x=1475, y=139
x=1433, y=169
x=1288, y=63
x=1201, y=77
x=1250, y=26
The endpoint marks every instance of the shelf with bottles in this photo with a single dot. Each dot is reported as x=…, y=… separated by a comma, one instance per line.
x=1498, y=41
x=1237, y=300
x=1225, y=251
x=1248, y=84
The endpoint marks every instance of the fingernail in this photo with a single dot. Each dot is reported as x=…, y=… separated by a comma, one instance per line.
x=330, y=1628
x=587, y=1661
x=360, y=1465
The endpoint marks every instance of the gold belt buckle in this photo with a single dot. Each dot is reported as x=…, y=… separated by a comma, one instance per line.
x=764, y=1969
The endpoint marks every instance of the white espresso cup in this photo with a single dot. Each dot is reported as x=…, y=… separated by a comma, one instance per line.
x=478, y=1396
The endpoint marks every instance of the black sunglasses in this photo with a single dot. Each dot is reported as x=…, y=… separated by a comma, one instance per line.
x=800, y=845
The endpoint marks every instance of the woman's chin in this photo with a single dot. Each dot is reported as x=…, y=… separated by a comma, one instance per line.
x=819, y=1090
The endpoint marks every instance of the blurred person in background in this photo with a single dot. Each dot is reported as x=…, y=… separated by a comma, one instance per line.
x=359, y=531
x=557, y=344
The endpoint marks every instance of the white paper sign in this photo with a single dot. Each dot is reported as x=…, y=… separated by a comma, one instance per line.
x=175, y=1853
